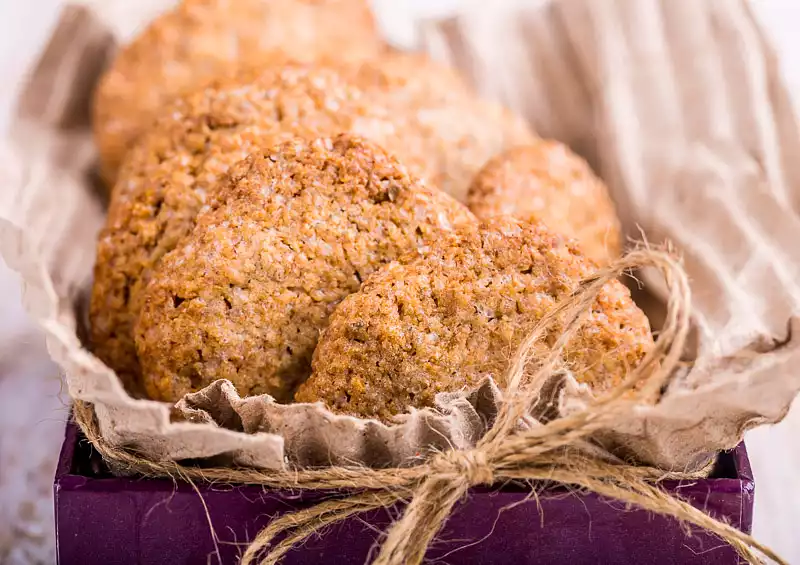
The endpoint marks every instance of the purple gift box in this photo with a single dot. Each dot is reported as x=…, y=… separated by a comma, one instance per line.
x=102, y=519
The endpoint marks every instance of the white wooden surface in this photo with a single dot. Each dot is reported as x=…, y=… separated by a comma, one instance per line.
x=32, y=408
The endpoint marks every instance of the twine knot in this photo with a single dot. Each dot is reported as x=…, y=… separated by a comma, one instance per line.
x=473, y=465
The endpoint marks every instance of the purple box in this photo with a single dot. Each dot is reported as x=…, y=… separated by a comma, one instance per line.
x=101, y=519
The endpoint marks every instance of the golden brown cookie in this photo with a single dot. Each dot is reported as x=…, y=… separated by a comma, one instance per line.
x=171, y=169
x=547, y=182
x=201, y=40
x=169, y=173
x=444, y=131
x=442, y=321
x=299, y=227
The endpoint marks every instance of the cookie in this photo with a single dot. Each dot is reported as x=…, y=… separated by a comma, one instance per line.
x=170, y=172
x=201, y=40
x=547, y=182
x=445, y=132
x=299, y=227
x=445, y=320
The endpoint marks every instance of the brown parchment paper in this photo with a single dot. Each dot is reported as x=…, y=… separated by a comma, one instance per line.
x=677, y=103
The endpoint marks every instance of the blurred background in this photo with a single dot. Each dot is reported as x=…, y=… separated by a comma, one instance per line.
x=33, y=409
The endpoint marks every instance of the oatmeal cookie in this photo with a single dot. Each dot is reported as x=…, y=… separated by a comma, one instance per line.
x=444, y=320
x=169, y=173
x=201, y=40
x=298, y=228
x=547, y=182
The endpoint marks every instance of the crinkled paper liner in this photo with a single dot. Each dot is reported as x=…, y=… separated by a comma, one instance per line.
x=677, y=103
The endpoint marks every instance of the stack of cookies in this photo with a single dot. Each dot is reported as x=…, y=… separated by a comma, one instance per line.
x=303, y=211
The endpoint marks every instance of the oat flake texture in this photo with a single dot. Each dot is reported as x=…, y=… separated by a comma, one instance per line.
x=446, y=320
x=245, y=296
x=417, y=109
x=169, y=174
x=201, y=40
x=549, y=183
x=444, y=131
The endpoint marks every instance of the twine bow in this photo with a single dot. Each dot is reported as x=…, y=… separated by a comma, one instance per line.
x=558, y=451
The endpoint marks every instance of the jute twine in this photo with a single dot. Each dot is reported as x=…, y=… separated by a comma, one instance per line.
x=559, y=451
